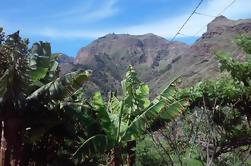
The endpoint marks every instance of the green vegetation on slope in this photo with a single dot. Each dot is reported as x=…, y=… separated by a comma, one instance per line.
x=216, y=128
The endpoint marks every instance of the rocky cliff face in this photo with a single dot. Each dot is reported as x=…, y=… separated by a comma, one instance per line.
x=218, y=38
x=156, y=59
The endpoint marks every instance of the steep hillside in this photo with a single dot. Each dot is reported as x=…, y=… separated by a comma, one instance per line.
x=109, y=57
x=156, y=59
x=219, y=37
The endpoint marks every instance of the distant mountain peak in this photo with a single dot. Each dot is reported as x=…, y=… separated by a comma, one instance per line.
x=220, y=18
x=221, y=23
x=156, y=59
x=114, y=35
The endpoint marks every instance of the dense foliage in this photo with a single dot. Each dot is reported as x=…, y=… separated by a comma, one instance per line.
x=33, y=101
x=50, y=121
x=216, y=128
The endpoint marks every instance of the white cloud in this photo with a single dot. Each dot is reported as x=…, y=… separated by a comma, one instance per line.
x=107, y=10
x=165, y=27
x=64, y=34
x=83, y=13
x=88, y=12
x=169, y=26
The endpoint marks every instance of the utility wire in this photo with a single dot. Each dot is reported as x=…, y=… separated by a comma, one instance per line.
x=222, y=11
x=203, y=14
x=228, y=6
x=187, y=20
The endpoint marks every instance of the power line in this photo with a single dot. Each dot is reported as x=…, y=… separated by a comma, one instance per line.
x=203, y=14
x=187, y=19
x=228, y=6
x=222, y=11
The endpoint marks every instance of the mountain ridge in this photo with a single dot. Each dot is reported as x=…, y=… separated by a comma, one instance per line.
x=157, y=60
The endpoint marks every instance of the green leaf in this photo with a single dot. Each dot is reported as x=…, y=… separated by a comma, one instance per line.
x=192, y=162
x=54, y=66
x=102, y=115
x=97, y=143
x=39, y=73
x=61, y=88
x=160, y=109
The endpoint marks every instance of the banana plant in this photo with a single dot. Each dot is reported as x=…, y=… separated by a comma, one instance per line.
x=43, y=64
x=33, y=99
x=125, y=119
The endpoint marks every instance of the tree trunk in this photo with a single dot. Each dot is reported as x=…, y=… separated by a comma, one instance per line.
x=116, y=159
x=14, y=145
x=131, y=154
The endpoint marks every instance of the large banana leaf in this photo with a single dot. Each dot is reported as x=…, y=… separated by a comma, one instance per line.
x=161, y=110
x=163, y=106
x=42, y=52
x=100, y=142
x=43, y=63
x=39, y=73
x=114, y=108
x=168, y=94
x=135, y=95
x=97, y=143
x=114, y=105
x=102, y=114
x=61, y=88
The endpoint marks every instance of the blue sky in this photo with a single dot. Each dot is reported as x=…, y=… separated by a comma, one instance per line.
x=71, y=24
